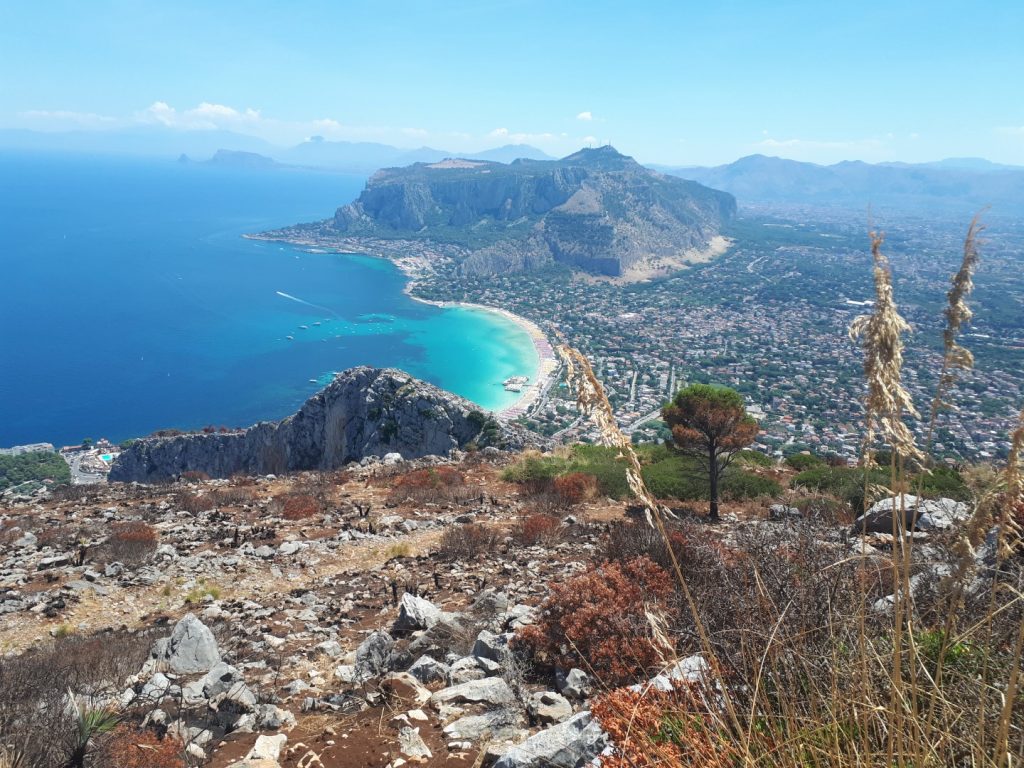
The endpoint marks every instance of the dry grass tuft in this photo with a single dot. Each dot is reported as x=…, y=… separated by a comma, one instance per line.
x=881, y=337
x=593, y=403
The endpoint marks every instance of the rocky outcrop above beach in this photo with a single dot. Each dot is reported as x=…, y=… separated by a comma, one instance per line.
x=364, y=412
x=596, y=210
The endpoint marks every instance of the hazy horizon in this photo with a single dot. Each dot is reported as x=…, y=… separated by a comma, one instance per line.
x=664, y=83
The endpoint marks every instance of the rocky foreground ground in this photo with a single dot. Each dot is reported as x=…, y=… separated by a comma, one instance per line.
x=348, y=618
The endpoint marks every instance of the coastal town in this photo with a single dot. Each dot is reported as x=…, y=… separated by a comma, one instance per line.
x=87, y=463
x=770, y=319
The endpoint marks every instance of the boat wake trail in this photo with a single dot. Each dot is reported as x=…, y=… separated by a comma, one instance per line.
x=307, y=303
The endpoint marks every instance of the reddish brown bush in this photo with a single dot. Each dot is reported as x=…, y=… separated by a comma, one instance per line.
x=130, y=543
x=194, y=502
x=574, y=488
x=127, y=747
x=597, y=621
x=299, y=506
x=432, y=484
x=538, y=529
x=465, y=542
x=657, y=728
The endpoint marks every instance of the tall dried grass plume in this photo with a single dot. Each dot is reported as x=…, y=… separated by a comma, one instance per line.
x=881, y=337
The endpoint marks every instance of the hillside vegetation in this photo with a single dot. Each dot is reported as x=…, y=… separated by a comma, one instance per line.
x=38, y=465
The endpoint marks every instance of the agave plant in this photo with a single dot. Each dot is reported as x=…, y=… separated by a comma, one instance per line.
x=11, y=757
x=90, y=722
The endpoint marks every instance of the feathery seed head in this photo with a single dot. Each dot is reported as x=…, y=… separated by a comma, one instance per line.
x=881, y=337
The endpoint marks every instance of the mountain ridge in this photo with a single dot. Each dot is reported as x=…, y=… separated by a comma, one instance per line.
x=955, y=184
x=596, y=210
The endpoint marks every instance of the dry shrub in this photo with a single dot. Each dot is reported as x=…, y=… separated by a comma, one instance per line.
x=298, y=506
x=232, y=496
x=194, y=476
x=436, y=485
x=130, y=543
x=574, y=488
x=598, y=621
x=34, y=718
x=128, y=747
x=194, y=503
x=538, y=529
x=62, y=537
x=466, y=542
x=629, y=540
x=664, y=728
x=74, y=492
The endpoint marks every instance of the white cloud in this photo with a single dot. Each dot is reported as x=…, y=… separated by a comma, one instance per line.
x=207, y=115
x=585, y=116
x=326, y=125
x=204, y=117
x=522, y=138
x=84, y=119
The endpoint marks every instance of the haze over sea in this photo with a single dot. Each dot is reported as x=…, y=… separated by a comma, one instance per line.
x=129, y=302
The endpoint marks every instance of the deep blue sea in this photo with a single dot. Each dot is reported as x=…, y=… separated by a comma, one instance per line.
x=130, y=302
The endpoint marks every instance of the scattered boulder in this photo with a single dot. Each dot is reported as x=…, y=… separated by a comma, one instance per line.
x=415, y=613
x=490, y=646
x=265, y=753
x=191, y=648
x=916, y=514
x=496, y=725
x=490, y=690
x=373, y=656
x=567, y=745
x=472, y=668
x=547, y=707
x=575, y=684
x=404, y=686
x=428, y=670
x=411, y=744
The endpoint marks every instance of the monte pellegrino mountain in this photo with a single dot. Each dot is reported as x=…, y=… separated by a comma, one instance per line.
x=596, y=210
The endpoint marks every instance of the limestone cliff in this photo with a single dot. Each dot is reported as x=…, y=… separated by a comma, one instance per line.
x=595, y=210
x=363, y=412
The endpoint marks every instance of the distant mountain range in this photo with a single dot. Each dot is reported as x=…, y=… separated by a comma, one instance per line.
x=950, y=186
x=346, y=156
x=956, y=184
x=596, y=210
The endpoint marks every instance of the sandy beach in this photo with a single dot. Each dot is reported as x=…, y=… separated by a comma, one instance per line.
x=415, y=266
x=416, y=262
x=547, y=365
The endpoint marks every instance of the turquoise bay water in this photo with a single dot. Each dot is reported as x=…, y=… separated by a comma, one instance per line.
x=129, y=302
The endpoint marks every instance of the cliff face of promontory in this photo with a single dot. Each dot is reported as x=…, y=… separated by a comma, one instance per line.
x=596, y=210
x=363, y=412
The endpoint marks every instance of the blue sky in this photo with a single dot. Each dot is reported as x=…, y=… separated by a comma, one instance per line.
x=675, y=82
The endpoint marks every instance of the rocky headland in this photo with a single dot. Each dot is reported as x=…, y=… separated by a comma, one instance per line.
x=597, y=211
x=364, y=412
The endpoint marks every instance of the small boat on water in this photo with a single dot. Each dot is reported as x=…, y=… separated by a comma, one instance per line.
x=290, y=338
x=317, y=323
x=303, y=327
